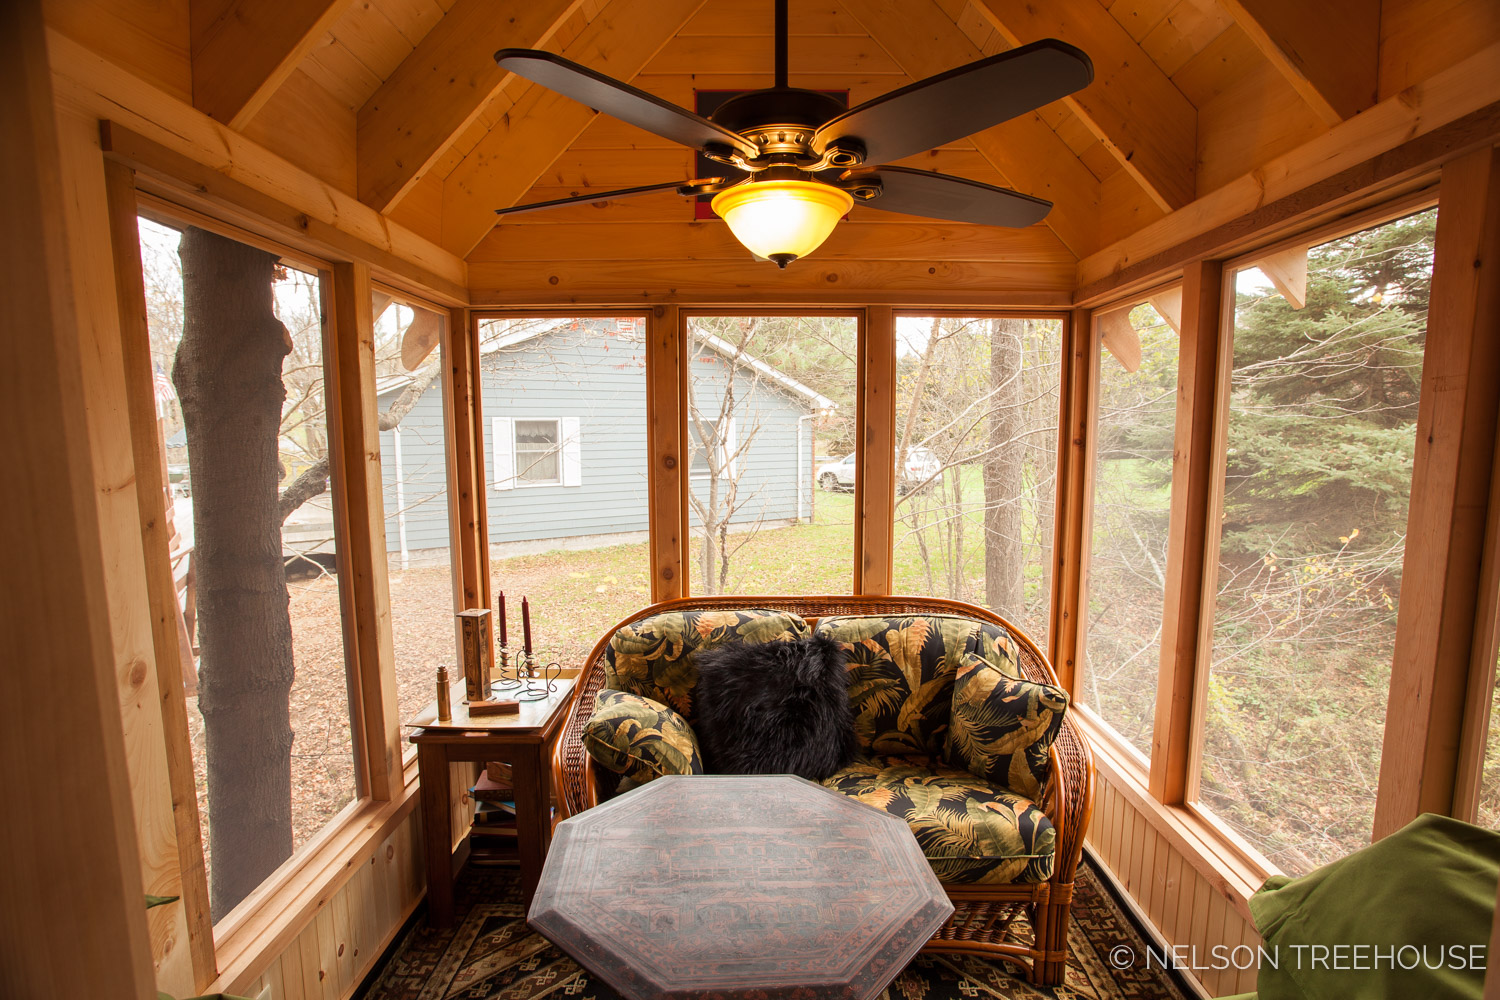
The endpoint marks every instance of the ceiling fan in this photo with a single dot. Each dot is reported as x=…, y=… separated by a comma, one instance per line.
x=796, y=161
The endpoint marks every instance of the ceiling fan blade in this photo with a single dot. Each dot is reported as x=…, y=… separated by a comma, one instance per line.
x=703, y=185
x=620, y=100
x=939, y=196
x=960, y=102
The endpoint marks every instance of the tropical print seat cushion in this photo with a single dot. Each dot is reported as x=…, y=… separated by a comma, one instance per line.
x=1001, y=728
x=655, y=657
x=901, y=672
x=640, y=738
x=970, y=830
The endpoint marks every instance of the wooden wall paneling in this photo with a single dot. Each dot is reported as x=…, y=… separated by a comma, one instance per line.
x=313, y=973
x=145, y=434
x=875, y=450
x=1158, y=149
x=665, y=423
x=1192, y=520
x=1421, y=38
x=221, y=163
x=362, y=545
x=1329, y=53
x=242, y=50
x=343, y=938
x=67, y=928
x=328, y=959
x=1399, y=138
x=306, y=125
x=1438, y=615
x=149, y=38
x=290, y=962
x=1072, y=526
x=86, y=215
x=511, y=156
x=440, y=87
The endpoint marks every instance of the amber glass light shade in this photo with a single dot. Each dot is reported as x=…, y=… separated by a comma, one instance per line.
x=784, y=219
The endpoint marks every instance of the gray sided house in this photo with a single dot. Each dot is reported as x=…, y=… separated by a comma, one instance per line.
x=565, y=441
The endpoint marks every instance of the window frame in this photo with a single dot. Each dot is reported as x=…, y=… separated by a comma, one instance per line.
x=555, y=451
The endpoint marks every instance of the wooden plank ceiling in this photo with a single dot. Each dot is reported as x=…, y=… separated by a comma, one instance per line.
x=397, y=102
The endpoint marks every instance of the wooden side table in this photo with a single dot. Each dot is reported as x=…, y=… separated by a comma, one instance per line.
x=524, y=740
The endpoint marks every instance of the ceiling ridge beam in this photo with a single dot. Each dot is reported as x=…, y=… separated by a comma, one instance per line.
x=1132, y=106
x=923, y=40
x=243, y=50
x=542, y=124
x=441, y=87
x=1329, y=52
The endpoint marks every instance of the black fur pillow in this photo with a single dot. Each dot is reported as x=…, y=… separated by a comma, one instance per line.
x=775, y=708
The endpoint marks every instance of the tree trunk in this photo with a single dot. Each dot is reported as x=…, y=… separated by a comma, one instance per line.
x=1004, y=571
x=228, y=377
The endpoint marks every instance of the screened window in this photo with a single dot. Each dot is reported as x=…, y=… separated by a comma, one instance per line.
x=1317, y=468
x=537, y=451
x=1136, y=353
x=977, y=401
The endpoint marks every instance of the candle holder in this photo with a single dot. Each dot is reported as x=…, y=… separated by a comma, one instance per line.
x=538, y=687
x=506, y=681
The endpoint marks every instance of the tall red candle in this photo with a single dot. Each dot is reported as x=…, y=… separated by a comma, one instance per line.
x=502, y=618
x=526, y=625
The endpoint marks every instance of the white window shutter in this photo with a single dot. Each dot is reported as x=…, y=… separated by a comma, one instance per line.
x=572, y=465
x=731, y=463
x=505, y=454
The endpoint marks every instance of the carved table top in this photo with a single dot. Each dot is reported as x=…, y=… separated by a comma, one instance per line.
x=738, y=885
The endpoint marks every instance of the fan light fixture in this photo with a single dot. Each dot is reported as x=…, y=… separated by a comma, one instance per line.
x=782, y=220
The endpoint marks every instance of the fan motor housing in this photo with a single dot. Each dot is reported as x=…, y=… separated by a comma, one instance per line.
x=781, y=123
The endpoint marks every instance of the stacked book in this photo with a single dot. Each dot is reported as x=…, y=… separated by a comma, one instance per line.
x=493, y=836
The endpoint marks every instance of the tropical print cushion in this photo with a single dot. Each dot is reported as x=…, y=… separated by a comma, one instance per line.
x=640, y=738
x=999, y=648
x=969, y=829
x=901, y=673
x=1002, y=728
x=655, y=657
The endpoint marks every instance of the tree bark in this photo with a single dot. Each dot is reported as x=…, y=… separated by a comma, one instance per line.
x=228, y=378
x=1004, y=571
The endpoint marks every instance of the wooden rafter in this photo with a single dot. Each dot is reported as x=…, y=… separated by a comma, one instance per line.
x=1329, y=52
x=441, y=86
x=242, y=50
x=924, y=41
x=1134, y=109
x=619, y=42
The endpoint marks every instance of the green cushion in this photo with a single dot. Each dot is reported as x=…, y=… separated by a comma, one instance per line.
x=1001, y=728
x=969, y=829
x=656, y=656
x=640, y=738
x=1430, y=884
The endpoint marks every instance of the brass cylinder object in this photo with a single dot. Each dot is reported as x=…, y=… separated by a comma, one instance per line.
x=445, y=698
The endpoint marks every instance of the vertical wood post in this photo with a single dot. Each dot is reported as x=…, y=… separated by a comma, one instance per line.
x=1070, y=546
x=466, y=492
x=875, y=452
x=67, y=928
x=1202, y=358
x=1441, y=572
x=666, y=406
x=359, y=500
x=145, y=436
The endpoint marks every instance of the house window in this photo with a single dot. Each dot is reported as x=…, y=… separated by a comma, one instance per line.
x=536, y=451
x=721, y=436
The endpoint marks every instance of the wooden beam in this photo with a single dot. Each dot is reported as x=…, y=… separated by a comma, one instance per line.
x=1029, y=156
x=1133, y=108
x=440, y=88
x=1440, y=577
x=1071, y=545
x=243, y=50
x=875, y=452
x=1287, y=271
x=1329, y=52
x=223, y=165
x=1451, y=113
x=665, y=429
x=1201, y=364
x=1473, y=740
x=467, y=490
x=619, y=42
x=68, y=928
x=1119, y=337
x=359, y=503
x=166, y=615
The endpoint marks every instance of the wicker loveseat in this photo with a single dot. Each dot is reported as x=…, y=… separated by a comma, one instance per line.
x=996, y=898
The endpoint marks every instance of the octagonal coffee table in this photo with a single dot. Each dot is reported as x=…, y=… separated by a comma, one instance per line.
x=738, y=886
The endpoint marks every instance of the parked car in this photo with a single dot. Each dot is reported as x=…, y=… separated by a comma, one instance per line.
x=921, y=466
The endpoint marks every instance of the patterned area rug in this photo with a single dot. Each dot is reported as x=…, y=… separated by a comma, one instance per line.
x=490, y=954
